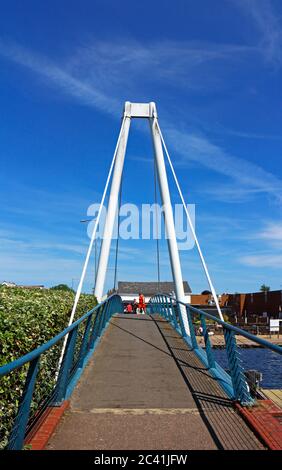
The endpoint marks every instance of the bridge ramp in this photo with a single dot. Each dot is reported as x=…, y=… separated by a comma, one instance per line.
x=145, y=389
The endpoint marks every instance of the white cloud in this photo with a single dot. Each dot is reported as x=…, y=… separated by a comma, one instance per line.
x=272, y=235
x=250, y=177
x=268, y=24
x=120, y=65
x=55, y=75
x=263, y=260
x=273, y=231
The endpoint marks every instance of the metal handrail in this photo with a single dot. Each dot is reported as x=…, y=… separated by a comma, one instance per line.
x=7, y=368
x=262, y=342
x=75, y=358
x=235, y=384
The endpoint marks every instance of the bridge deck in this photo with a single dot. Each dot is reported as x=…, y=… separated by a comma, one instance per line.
x=144, y=389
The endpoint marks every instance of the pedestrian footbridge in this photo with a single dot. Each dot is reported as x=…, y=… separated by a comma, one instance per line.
x=145, y=389
x=137, y=381
x=132, y=381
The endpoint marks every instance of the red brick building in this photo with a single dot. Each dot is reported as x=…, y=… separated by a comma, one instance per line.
x=255, y=303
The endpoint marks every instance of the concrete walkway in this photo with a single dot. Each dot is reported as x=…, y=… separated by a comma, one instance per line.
x=144, y=389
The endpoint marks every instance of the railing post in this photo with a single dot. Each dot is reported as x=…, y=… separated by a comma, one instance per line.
x=192, y=329
x=112, y=309
x=167, y=310
x=62, y=382
x=182, y=327
x=100, y=321
x=240, y=386
x=208, y=345
x=163, y=308
x=84, y=344
x=174, y=319
x=160, y=311
x=16, y=439
x=160, y=306
x=93, y=335
x=155, y=305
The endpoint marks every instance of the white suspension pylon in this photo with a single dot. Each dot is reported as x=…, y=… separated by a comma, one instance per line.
x=89, y=250
x=112, y=206
x=168, y=216
x=192, y=229
x=141, y=110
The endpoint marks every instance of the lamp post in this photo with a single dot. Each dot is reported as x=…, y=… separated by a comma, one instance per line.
x=74, y=279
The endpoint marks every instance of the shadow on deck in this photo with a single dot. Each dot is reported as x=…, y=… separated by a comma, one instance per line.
x=145, y=389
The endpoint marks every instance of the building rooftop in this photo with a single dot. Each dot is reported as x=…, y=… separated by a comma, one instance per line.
x=149, y=288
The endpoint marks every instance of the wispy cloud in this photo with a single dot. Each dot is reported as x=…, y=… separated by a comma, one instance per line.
x=102, y=74
x=125, y=63
x=273, y=231
x=272, y=234
x=231, y=193
x=95, y=75
x=83, y=91
x=268, y=260
x=268, y=24
x=199, y=150
x=268, y=254
x=245, y=134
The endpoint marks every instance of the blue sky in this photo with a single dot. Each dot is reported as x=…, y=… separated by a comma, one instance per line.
x=215, y=71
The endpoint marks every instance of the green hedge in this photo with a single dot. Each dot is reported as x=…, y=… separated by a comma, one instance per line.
x=29, y=318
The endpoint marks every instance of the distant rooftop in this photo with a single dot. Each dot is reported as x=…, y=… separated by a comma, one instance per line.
x=13, y=284
x=149, y=288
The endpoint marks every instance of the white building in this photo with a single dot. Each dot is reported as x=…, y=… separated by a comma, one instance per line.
x=131, y=290
x=13, y=284
x=8, y=284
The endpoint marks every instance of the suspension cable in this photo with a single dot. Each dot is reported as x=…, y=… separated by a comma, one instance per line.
x=93, y=236
x=191, y=225
x=157, y=225
x=117, y=243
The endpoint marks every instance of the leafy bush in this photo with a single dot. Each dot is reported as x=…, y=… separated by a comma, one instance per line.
x=64, y=287
x=29, y=318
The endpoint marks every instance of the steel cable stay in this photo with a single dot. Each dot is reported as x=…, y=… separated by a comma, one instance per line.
x=190, y=223
x=118, y=235
x=93, y=236
x=157, y=226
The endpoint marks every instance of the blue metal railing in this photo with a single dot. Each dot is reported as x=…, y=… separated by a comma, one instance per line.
x=235, y=384
x=83, y=337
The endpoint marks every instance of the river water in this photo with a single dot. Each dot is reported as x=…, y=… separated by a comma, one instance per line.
x=263, y=360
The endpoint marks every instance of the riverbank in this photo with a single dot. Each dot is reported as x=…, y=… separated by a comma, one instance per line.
x=218, y=341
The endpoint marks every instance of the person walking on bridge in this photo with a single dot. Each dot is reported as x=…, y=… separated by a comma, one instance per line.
x=142, y=305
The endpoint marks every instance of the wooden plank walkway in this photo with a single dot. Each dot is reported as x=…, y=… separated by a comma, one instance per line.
x=274, y=395
x=145, y=389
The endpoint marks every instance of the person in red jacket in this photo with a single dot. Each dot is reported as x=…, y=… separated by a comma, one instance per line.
x=142, y=305
x=129, y=308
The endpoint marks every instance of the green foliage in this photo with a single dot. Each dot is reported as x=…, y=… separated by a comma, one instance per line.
x=29, y=318
x=264, y=288
x=226, y=318
x=63, y=287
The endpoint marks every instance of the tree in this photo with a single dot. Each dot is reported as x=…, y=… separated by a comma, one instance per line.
x=111, y=292
x=264, y=288
x=63, y=287
x=206, y=292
